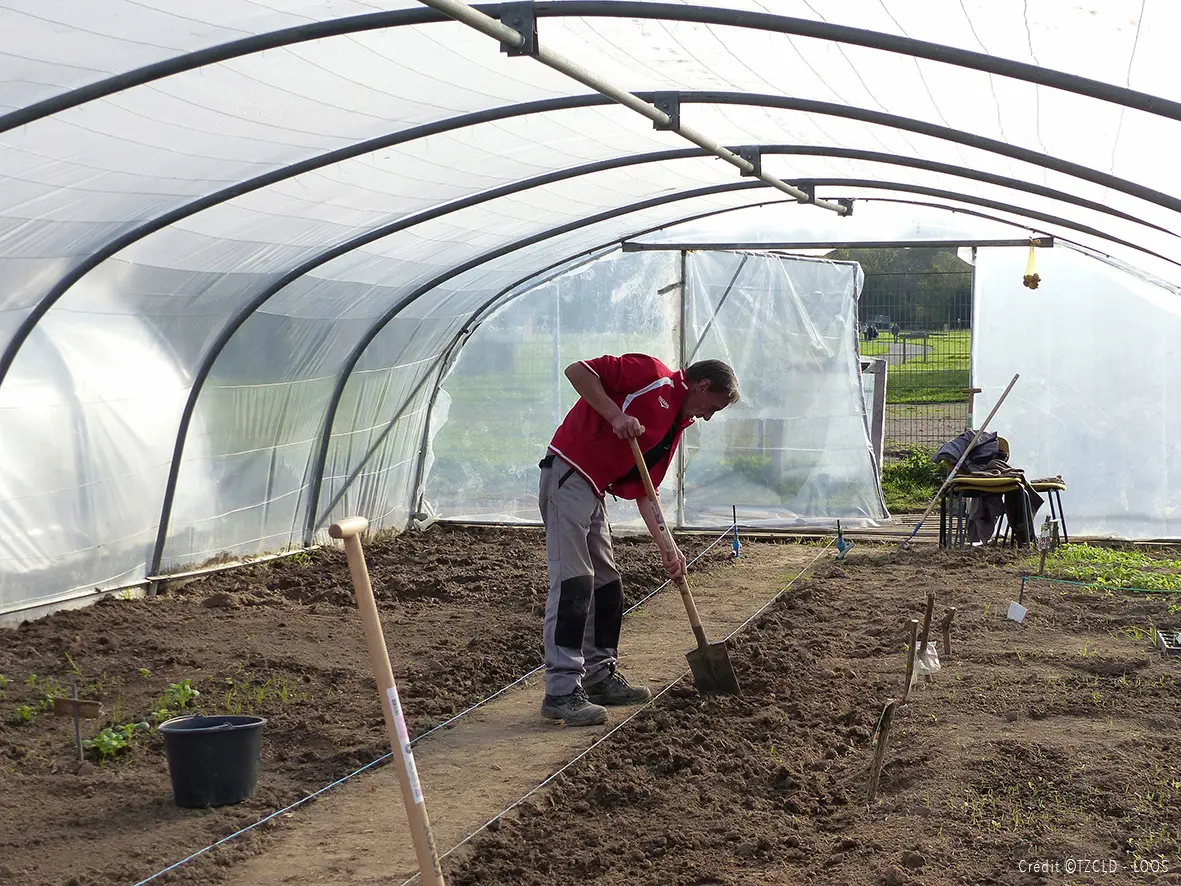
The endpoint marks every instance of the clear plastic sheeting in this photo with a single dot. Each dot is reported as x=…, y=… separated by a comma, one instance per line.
x=507, y=392
x=1095, y=349
x=86, y=431
x=794, y=450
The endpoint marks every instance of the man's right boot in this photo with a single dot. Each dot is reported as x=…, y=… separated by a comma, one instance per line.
x=575, y=709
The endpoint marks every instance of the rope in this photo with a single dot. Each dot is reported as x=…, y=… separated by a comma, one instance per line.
x=1091, y=584
x=623, y=723
x=419, y=738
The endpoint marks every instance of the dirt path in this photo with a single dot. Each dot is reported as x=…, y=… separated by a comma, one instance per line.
x=490, y=759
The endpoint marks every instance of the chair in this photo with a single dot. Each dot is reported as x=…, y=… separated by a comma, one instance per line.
x=953, y=511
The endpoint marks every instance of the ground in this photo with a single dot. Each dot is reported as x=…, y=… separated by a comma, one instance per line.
x=1047, y=740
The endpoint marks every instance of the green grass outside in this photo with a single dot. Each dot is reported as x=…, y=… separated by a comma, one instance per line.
x=943, y=377
x=911, y=482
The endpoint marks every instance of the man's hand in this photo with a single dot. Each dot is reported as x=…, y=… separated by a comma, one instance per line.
x=674, y=562
x=626, y=426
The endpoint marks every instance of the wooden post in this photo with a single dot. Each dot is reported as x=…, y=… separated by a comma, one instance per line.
x=879, y=754
x=927, y=623
x=946, y=625
x=913, y=626
x=349, y=530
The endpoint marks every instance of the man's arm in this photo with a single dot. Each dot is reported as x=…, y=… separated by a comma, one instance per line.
x=590, y=389
x=674, y=560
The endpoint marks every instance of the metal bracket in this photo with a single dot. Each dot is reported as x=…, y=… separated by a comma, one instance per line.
x=670, y=103
x=847, y=202
x=753, y=155
x=521, y=18
x=808, y=189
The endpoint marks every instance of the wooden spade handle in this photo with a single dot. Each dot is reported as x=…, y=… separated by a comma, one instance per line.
x=350, y=530
x=665, y=541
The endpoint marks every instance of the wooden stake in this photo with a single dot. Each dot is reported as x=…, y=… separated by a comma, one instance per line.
x=879, y=754
x=913, y=625
x=946, y=625
x=927, y=623
x=350, y=530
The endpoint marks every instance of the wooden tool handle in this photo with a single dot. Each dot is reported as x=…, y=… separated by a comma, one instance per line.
x=666, y=543
x=391, y=705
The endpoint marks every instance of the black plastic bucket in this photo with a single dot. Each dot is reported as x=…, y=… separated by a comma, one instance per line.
x=213, y=761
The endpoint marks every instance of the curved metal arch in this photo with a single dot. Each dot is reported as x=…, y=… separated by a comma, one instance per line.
x=128, y=238
x=350, y=362
x=951, y=55
x=235, y=323
x=978, y=201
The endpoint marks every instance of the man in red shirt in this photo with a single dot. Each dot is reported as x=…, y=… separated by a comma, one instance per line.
x=619, y=398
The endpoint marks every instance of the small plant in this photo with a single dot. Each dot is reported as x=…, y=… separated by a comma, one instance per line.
x=73, y=667
x=4, y=681
x=144, y=672
x=180, y=695
x=23, y=715
x=114, y=740
x=301, y=558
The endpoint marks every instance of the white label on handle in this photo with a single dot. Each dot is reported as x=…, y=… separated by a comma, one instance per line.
x=404, y=741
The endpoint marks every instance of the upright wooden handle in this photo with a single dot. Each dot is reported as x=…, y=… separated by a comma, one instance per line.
x=666, y=543
x=391, y=705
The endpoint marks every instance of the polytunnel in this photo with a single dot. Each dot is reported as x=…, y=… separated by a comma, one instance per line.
x=244, y=247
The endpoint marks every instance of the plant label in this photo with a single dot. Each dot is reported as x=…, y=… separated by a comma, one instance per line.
x=1016, y=612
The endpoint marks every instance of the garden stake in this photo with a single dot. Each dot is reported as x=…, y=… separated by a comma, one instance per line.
x=709, y=662
x=349, y=530
x=927, y=622
x=952, y=473
x=913, y=626
x=946, y=625
x=79, y=710
x=1017, y=610
x=879, y=754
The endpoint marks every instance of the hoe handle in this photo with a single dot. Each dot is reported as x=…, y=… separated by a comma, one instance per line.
x=349, y=530
x=665, y=541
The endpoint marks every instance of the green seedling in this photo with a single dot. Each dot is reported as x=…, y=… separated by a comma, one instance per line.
x=23, y=715
x=145, y=673
x=4, y=681
x=114, y=740
x=180, y=695
x=73, y=667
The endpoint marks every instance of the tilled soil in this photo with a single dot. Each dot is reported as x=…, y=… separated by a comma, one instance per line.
x=462, y=612
x=1040, y=753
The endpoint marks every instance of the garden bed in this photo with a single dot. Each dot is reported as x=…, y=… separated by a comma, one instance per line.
x=462, y=611
x=1038, y=743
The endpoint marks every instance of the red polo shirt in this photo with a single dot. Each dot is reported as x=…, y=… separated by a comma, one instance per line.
x=641, y=386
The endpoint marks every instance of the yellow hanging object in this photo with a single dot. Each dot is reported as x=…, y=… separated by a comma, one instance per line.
x=1031, y=278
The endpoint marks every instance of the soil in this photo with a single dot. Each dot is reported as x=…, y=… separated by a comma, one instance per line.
x=1035, y=744
x=462, y=613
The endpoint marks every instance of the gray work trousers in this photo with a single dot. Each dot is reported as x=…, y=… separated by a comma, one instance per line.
x=584, y=609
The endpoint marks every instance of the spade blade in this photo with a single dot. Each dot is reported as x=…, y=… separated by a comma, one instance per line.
x=712, y=669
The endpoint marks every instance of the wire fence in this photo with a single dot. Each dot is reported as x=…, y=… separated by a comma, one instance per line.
x=922, y=329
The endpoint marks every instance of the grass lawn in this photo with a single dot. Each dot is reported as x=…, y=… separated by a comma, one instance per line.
x=943, y=377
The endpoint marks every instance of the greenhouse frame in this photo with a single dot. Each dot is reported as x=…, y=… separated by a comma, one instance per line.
x=263, y=266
